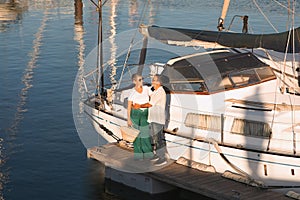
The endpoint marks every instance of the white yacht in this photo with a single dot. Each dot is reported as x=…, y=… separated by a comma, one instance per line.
x=229, y=107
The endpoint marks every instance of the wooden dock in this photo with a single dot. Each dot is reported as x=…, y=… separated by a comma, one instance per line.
x=208, y=184
x=212, y=185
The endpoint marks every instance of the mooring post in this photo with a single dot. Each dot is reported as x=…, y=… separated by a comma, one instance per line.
x=78, y=11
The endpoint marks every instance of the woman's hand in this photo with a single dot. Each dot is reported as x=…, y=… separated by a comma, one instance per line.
x=129, y=122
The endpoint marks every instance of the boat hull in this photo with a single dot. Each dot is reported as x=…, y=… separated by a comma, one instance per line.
x=276, y=171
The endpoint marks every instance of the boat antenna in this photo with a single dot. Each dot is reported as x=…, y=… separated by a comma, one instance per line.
x=223, y=15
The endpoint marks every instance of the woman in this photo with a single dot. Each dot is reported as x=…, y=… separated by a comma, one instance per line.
x=138, y=118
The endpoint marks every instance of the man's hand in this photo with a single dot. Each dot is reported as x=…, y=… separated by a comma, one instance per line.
x=136, y=106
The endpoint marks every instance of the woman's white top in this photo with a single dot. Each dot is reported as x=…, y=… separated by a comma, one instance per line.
x=139, y=98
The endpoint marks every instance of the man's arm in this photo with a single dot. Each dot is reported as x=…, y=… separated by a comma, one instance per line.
x=137, y=106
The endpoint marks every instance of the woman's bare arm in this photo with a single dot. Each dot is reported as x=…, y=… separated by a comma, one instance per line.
x=129, y=122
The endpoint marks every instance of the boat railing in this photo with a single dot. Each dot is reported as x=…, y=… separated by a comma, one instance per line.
x=245, y=22
x=89, y=82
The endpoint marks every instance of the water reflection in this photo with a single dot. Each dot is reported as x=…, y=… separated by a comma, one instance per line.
x=136, y=12
x=113, y=48
x=11, y=12
x=152, y=13
x=78, y=37
x=10, y=145
x=2, y=178
x=28, y=74
x=133, y=12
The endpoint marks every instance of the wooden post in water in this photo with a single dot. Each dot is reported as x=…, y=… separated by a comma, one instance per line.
x=78, y=11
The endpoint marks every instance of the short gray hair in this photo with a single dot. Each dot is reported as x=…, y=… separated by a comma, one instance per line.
x=134, y=76
x=159, y=78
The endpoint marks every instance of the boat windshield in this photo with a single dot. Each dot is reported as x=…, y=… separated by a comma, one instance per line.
x=217, y=72
x=244, y=78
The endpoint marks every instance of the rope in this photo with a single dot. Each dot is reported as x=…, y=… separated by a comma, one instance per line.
x=217, y=147
x=131, y=43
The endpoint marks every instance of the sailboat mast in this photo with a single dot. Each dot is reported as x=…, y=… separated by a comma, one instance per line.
x=223, y=15
x=100, y=78
x=143, y=54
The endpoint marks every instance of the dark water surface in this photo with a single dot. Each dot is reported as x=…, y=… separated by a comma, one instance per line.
x=41, y=51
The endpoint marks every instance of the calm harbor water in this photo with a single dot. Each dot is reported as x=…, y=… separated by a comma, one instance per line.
x=41, y=51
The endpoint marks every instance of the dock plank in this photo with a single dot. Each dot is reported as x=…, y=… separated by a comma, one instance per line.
x=209, y=184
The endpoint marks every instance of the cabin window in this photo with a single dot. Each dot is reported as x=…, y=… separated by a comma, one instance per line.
x=244, y=77
x=218, y=83
x=265, y=73
x=214, y=83
x=203, y=121
x=226, y=83
x=188, y=86
x=250, y=128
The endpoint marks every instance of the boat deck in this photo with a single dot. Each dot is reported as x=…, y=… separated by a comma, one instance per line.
x=209, y=184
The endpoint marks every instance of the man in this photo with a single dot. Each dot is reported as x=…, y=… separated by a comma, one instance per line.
x=156, y=118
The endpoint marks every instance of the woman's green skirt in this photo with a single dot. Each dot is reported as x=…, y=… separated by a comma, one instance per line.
x=142, y=143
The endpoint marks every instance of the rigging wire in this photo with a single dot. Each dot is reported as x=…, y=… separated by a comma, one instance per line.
x=294, y=73
x=282, y=90
x=285, y=58
x=291, y=36
x=131, y=43
x=275, y=101
x=288, y=9
x=104, y=2
x=95, y=4
x=254, y=1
